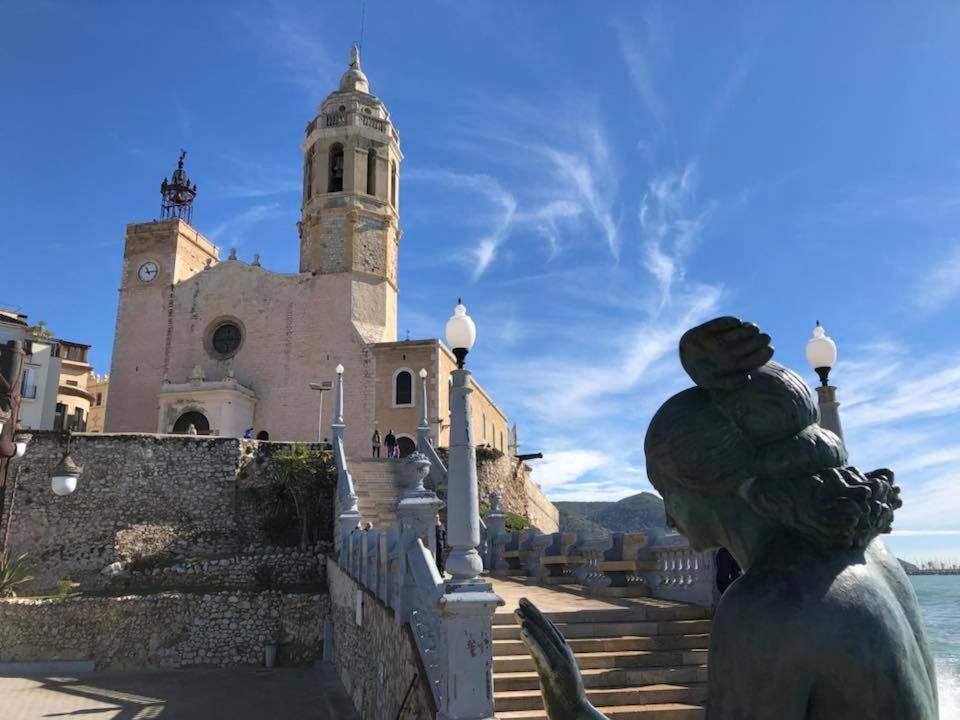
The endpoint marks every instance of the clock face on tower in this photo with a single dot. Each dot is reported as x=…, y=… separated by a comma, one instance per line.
x=148, y=271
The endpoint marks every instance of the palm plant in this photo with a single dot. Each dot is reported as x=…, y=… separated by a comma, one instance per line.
x=13, y=572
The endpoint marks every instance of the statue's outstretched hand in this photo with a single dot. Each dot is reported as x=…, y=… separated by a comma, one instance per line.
x=560, y=682
x=721, y=353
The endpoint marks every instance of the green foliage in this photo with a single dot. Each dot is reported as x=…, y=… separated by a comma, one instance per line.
x=13, y=572
x=484, y=454
x=66, y=587
x=41, y=331
x=298, y=499
x=643, y=511
x=488, y=454
x=516, y=522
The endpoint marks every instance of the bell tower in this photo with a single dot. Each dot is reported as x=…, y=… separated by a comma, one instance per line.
x=351, y=175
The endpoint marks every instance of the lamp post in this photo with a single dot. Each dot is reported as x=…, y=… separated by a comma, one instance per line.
x=468, y=603
x=321, y=387
x=63, y=479
x=423, y=429
x=346, y=497
x=11, y=372
x=463, y=505
x=822, y=355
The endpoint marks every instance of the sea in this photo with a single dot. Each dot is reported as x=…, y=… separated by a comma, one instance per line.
x=939, y=597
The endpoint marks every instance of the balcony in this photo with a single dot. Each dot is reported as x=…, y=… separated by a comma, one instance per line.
x=344, y=118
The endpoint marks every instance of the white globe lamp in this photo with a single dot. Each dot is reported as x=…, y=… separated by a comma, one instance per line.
x=63, y=480
x=461, y=333
x=821, y=353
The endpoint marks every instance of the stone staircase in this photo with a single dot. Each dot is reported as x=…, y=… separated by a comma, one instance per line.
x=379, y=485
x=638, y=660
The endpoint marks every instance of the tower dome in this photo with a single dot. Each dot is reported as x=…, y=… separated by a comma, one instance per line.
x=354, y=79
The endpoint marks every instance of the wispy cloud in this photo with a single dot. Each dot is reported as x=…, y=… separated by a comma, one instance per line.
x=500, y=217
x=897, y=411
x=941, y=283
x=234, y=230
x=671, y=223
x=590, y=181
x=291, y=32
x=636, y=54
x=581, y=185
x=726, y=92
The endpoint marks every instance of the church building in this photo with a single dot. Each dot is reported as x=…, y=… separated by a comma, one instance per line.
x=233, y=348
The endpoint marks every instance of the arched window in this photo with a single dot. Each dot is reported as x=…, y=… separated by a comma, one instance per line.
x=484, y=426
x=308, y=174
x=405, y=445
x=335, y=179
x=403, y=388
x=393, y=183
x=197, y=419
x=372, y=172
x=263, y=435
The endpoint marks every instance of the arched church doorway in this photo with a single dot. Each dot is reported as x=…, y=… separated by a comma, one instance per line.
x=405, y=445
x=197, y=419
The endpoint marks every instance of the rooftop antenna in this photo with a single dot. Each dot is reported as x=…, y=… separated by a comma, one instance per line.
x=363, y=17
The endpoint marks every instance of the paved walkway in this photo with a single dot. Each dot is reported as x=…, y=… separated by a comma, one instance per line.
x=565, y=598
x=236, y=694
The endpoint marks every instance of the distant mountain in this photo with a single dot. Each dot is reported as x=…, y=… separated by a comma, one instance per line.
x=909, y=568
x=636, y=513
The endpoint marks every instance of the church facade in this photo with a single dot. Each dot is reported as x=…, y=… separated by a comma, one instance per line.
x=230, y=347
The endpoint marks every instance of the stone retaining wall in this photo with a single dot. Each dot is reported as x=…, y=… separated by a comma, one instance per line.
x=164, y=631
x=376, y=660
x=262, y=568
x=541, y=513
x=505, y=474
x=140, y=495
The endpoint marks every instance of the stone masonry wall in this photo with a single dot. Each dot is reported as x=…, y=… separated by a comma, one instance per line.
x=258, y=568
x=541, y=513
x=168, y=497
x=378, y=659
x=508, y=476
x=137, y=493
x=164, y=631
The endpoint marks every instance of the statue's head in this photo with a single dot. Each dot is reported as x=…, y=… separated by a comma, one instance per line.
x=756, y=453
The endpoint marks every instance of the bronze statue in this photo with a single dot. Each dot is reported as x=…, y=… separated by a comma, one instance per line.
x=824, y=623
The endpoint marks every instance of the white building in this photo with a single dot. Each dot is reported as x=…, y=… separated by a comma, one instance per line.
x=41, y=372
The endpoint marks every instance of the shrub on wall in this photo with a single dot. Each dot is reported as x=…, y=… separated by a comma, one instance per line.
x=516, y=522
x=13, y=572
x=298, y=499
x=488, y=454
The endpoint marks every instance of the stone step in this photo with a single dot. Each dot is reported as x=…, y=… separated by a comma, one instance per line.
x=636, y=613
x=661, y=711
x=613, y=677
x=697, y=641
x=616, y=659
x=689, y=693
x=613, y=629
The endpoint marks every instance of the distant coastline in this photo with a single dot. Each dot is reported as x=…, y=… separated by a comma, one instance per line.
x=930, y=568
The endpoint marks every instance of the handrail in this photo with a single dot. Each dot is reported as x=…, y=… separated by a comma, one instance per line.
x=438, y=471
x=424, y=615
x=347, y=490
x=348, y=500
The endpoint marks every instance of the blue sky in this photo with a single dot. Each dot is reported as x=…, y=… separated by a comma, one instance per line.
x=592, y=182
